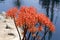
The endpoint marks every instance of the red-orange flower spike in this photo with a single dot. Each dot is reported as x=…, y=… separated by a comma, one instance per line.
x=20, y=21
x=23, y=9
x=40, y=28
x=32, y=10
x=12, y=12
x=45, y=21
x=52, y=28
x=32, y=29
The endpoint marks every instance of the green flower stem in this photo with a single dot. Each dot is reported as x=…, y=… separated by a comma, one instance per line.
x=17, y=29
x=25, y=31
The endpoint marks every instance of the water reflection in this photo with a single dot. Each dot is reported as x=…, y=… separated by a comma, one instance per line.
x=6, y=4
x=17, y=3
x=49, y=4
x=1, y=0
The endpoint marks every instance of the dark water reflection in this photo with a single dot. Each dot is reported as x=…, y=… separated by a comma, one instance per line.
x=6, y=4
x=49, y=6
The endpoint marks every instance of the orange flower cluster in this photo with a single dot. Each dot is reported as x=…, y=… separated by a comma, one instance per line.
x=12, y=12
x=28, y=16
x=40, y=28
x=45, y=21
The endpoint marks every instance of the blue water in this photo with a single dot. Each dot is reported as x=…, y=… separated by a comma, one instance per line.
x=5, y=5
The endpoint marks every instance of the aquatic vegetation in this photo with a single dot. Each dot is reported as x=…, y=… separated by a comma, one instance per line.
x=27, y=18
